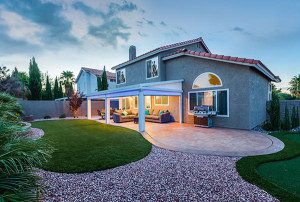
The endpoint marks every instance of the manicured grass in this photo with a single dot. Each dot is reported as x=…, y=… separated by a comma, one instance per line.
x=277, y=173
x=86, y=145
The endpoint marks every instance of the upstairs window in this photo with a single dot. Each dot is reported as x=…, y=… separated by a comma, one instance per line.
x=207, y=80
x=121, y=76
x=152, y=68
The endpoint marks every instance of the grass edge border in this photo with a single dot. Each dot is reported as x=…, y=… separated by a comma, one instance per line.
x=247, y=168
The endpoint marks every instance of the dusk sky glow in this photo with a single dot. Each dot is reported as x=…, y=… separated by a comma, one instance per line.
x=69, y=34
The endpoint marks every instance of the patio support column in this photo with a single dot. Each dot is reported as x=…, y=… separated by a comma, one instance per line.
x=107, y=110
x=180, y=109
x=88, y=108
x=141, y=112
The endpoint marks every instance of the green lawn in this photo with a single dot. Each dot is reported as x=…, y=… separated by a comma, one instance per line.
x=279, y=173
x=86, y=145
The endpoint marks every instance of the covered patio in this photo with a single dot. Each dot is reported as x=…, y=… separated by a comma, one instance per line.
x=165, y=88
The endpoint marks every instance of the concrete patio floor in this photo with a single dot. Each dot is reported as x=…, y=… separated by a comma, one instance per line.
x=208, y=141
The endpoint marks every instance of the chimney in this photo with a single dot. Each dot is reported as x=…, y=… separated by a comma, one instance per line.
x=132, y=52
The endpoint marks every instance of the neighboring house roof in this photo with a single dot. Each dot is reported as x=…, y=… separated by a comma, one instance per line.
x=244, y=61
x=161, y=49
x=96, y=72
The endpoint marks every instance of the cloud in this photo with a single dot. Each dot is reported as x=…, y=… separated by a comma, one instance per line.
x=10, y=45
x=142, y=34
x=47, y=15
x=241, y=30
x=238, y=29
x=139, y=23
x=112, y=27
x=110, y=31
x=113, y=9
x=149, y=22
x=163, y=23
x=181, y=29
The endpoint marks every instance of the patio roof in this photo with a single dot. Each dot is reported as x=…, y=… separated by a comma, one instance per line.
x=170, y=88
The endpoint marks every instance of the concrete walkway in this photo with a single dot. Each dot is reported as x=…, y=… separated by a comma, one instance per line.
x=208, y=141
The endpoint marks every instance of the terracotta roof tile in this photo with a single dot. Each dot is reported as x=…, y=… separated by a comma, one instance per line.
x=225, y=58
x=162, y=48
x=98, y=72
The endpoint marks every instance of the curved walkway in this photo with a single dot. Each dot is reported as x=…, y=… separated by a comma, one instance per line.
x=208, y=141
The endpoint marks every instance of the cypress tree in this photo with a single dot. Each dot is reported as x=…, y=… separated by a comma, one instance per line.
x=104, y=80
x=61, y=93
x=35, y=81
x=99, y=83
x=48, y=90
x=56, y=89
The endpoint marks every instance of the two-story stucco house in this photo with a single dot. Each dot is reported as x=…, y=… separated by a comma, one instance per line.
x=86, y=80
x=180, y=76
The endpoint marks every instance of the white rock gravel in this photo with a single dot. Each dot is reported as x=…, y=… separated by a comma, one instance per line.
x=35, y=133
x=162, y=176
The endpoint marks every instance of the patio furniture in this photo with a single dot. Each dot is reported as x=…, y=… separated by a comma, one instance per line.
x=159, y=116
x=136, y=120
x=120, y=116
x=102, y=113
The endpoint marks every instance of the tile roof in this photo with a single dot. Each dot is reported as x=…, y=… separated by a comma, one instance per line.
x=184, y=51
x=97, y=72
x=163, y=48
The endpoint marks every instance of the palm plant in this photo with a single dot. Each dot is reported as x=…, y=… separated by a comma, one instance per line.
x=295, y=86
x=19, y=154
x=68, y=80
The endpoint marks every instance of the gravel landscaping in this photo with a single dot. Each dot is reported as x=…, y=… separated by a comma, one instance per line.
x=161, y=176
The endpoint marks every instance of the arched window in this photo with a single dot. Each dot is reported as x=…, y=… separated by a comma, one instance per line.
x=207, y=80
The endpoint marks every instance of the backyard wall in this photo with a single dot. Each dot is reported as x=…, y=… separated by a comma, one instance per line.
x=41, y=108
x=289, y=104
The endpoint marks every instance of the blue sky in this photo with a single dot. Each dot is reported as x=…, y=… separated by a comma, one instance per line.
x=66, y=34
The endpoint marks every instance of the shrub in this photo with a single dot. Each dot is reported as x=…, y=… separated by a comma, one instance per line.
x=273, y=111
x=75, y=102
x=62, y=116
x=47, y=117
x=10, y=109
x=19, y=154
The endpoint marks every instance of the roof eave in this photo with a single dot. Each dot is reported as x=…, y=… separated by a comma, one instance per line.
x=158, y=51
x=270, y=75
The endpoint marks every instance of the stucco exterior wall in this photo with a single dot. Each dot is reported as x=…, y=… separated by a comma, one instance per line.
x=136, y=72
x=258, y=98
x=234, y=77
x=87, y=83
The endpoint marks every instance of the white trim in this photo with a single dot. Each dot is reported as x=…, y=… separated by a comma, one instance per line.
x=257, y=66
x=124, y=76
x=216, y=101
x=208, y=86
x=156, y=59
x=155, y=104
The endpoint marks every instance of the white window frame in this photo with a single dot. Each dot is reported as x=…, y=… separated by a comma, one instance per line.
x=124, y=76
x=270, y=91
x=136, y=97
x=156, y=59
x=155, y=104
x=122, y=100
x=216, y=100
x=208, y=86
